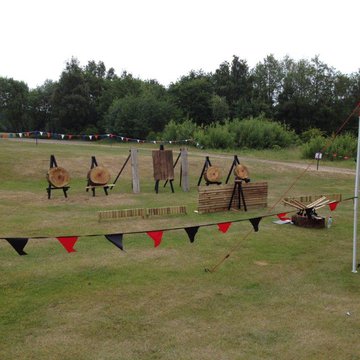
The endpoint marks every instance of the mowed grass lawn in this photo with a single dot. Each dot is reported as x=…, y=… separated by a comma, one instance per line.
x=284, y=293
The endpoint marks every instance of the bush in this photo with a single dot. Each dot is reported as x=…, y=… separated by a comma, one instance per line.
x=179, y=131
x=215, y=136
x=259, y=133
x=307, y=135
x=314, y=145
x=343, y=146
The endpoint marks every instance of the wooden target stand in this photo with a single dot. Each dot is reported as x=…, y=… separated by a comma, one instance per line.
x=57, y=177
x=241, y=175
x=102, y=176
x=233, y=165
x=163, y=166
x=206, y=167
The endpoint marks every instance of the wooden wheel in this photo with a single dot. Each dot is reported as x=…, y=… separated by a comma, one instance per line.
x=99, y=175
x=212, y=174
x=241, y=171
x=58, y=177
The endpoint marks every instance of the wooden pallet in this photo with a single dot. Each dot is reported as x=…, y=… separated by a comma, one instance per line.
x=141, y=212
x=214, y=198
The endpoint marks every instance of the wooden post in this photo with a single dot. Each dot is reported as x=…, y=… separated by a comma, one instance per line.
x=135, y=171
x=184, y=170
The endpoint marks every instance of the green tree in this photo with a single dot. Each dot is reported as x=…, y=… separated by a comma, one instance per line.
x=13, y=105
x=268, y=79
x=233, y=81
x=192, y=95
x=219, y=108
x=137, y=116
x=40, y=106
x=71, y=101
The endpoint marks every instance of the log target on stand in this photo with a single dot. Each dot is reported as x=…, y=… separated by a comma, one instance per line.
x=98, y=176
x=57, y=178
x=212, y=174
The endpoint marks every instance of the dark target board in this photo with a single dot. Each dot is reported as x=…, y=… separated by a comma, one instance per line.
x=163, y=164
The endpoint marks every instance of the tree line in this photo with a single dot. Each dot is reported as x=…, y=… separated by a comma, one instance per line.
x=92, y=99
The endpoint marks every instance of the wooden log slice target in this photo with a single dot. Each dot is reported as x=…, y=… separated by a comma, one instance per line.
x=241, y=171
x=99, y=175
x=58, y=177
x=212, y=174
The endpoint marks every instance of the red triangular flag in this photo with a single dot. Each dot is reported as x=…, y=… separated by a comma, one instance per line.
x=283, y=217
x=333, y=205
x=68, y=242
x=156, y=236
x=224, y=227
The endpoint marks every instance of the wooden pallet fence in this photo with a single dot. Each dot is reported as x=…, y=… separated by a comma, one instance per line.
x=141, y=212
x=307, y=199
x=214, y=198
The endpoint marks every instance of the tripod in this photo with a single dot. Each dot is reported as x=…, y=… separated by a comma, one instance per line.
x=240, y=193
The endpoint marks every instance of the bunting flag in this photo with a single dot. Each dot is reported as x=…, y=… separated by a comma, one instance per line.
x=224, y=227
x=50, y=135
x=116, y=239
x=191, y=231
x=156, y=236
x=282, y=216
x=255, y=223
x=18, y=244
x=68, y=242
x=333, y=205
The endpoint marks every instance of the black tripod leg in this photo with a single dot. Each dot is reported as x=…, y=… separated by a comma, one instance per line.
x=243, y=198
x=157, y=186
x=172, y=186
x=232, y=196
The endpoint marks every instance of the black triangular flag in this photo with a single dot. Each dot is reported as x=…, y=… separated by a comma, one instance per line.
x=191, y=231
x=18, y=244
x=116, y=239
x=255, y=223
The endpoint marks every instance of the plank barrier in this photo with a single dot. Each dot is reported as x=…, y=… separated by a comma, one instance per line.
x=141, y=212
x=214, y=198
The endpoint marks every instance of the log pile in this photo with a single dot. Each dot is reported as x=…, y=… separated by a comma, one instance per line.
x=307, y=216
x=216, y=198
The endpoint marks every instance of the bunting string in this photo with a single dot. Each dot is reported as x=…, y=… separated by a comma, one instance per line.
x=94, y=137
x=68, y=242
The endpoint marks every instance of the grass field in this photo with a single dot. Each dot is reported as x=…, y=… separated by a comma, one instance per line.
x=284, y=293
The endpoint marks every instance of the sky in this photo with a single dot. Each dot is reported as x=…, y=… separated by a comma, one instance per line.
x=166, y=39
